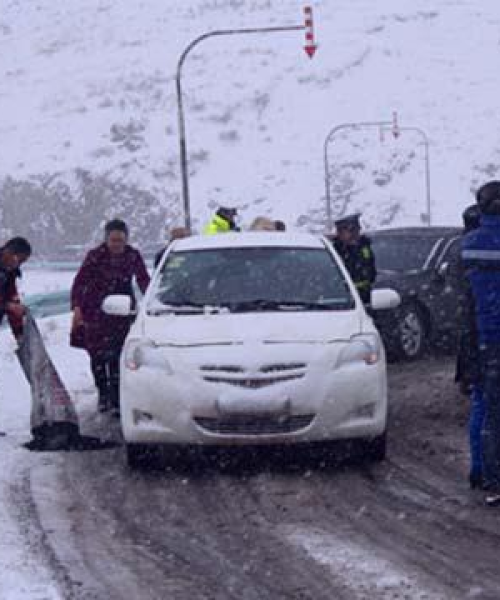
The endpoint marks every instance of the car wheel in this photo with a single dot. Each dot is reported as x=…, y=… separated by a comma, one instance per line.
x=375, y=449
x=142, y=456
x=411, y=332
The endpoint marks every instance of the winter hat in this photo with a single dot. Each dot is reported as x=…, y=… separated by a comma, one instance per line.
x=350, y=222
x=471, y=217
x=227, y=213
x=488, y=198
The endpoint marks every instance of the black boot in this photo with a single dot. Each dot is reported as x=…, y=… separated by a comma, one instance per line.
x=103, y=401
x=475, y=479
x=100, y=372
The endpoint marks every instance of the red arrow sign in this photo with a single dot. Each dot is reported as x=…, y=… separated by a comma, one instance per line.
x=310, y=46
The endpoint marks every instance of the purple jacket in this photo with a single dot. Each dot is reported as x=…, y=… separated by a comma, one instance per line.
x=103, y=274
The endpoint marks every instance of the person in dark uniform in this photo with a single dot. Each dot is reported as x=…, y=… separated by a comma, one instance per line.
x=481, y=260
x=468, y=371
x=355, y=250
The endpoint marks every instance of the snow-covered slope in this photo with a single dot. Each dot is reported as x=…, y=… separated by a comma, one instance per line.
x=88, y=122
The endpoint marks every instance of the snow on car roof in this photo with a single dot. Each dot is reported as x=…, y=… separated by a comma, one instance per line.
x=247, y=240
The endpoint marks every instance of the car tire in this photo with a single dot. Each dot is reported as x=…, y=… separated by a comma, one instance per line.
x=142, y=456
x=375, y=449
x=410, y=333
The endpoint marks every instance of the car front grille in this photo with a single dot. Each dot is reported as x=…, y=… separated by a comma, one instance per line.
x=253, y=383
x=266, y=375
x=254, y=425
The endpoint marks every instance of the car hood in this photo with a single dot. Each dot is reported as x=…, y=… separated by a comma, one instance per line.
x=401, y=282
x=227, y=329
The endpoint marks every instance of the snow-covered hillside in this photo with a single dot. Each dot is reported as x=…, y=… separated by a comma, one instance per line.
x=88, y=122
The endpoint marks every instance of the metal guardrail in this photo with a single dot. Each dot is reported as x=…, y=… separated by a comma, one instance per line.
x=49, y=305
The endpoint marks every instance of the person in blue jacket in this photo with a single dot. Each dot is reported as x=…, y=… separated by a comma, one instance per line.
x=481, y=259
x=468, y=371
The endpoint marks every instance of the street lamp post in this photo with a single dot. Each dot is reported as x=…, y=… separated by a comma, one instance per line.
x=182, y=122
x=328, y=139
x=382, y=125
x=425, y=141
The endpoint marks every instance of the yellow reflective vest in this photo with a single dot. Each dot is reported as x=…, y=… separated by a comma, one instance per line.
x=217, y=225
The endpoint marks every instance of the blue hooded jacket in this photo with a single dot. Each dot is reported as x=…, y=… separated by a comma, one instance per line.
x=481, y=259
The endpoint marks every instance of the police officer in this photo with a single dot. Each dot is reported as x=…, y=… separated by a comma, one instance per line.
x=223, y=221
x=356, y=252
x=468, y=372
x=481, y=258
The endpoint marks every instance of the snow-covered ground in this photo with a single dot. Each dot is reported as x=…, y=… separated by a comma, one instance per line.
x=45, y=281
x=22, y=575
x=89, y=84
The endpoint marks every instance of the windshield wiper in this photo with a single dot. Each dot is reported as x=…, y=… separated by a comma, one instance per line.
x=276, y=305
x=181, y=308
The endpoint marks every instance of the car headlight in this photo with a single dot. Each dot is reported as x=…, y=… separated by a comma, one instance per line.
x=365, y=348
x=144, y=353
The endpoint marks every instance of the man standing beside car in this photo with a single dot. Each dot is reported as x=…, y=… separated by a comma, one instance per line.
x=481, y=257
x=356, y=252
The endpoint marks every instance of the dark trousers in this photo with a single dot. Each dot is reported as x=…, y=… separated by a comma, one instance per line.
x=476, y=421
x=106, y=371
x=490, y=360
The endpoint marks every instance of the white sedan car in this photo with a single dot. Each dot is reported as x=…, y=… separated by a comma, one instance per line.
x=252, y=338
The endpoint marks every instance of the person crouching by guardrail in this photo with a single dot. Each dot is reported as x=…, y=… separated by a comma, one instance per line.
x=108, y=269
x=12, y=255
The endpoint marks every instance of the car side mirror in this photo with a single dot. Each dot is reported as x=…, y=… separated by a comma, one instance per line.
x=385, y=299
x=117, y=305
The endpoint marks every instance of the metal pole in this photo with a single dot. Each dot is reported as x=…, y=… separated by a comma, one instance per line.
x=425, y=139
x=180, y=106
x=383, y=124
x=329, y=137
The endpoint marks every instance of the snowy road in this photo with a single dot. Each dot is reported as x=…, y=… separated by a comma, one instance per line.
x=258, y=528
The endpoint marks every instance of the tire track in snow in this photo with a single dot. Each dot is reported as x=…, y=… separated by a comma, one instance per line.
x=361, y=568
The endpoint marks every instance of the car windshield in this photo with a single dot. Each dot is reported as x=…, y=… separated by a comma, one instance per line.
x=250, y=280
x=401, y=253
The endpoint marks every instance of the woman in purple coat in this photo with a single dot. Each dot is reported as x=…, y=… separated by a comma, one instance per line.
x=108, y=269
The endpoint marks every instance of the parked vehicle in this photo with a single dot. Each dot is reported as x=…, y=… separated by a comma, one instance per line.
x=252, y=338
x=418, y=263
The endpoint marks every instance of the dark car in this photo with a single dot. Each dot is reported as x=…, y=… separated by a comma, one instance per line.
x=421, y=264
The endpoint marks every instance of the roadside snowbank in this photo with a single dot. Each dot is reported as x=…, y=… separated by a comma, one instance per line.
x=23, y=573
